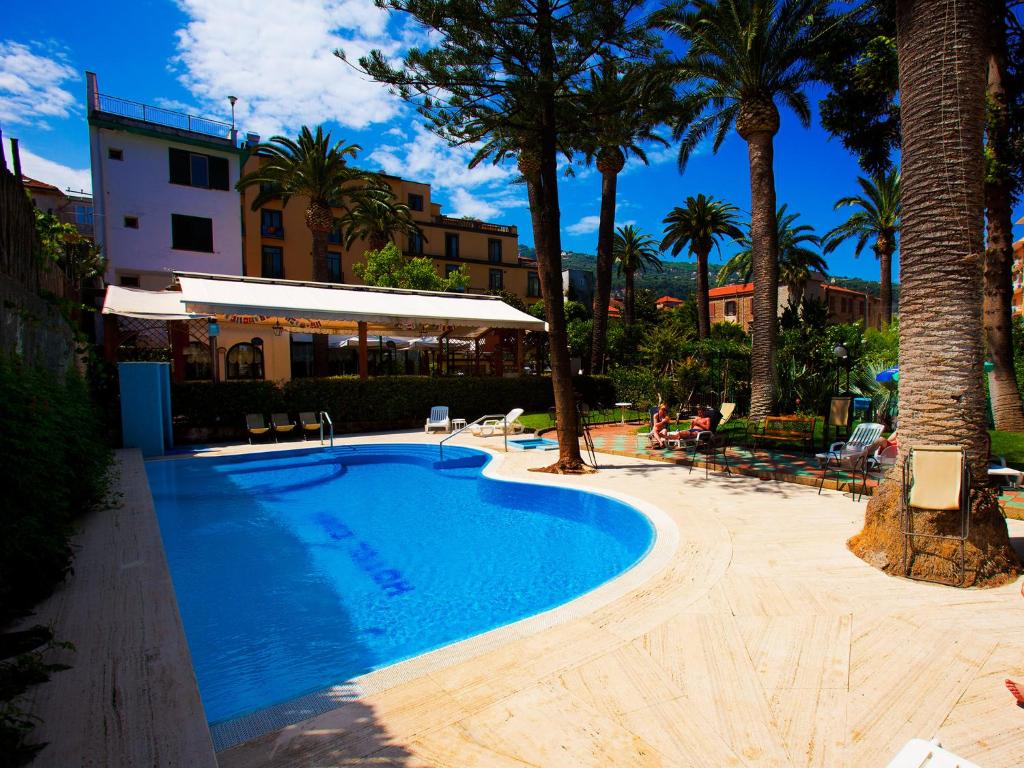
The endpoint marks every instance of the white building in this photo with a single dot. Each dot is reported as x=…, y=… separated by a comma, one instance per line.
x=164, y=191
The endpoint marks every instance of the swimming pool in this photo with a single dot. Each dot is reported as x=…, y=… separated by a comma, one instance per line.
x=302, y=569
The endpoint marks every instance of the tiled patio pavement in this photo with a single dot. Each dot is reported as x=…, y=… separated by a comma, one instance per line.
x=787, y=466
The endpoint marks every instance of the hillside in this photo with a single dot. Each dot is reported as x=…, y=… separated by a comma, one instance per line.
x=679, y=277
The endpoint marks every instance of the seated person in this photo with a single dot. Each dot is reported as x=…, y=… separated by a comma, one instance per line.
x=661, y=423
x=702, y=422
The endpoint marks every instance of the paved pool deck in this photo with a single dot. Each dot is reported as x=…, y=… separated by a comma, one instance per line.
x=751, y=637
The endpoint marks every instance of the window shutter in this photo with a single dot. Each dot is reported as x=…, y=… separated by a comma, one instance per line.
x=179, y=162
x=218, y=173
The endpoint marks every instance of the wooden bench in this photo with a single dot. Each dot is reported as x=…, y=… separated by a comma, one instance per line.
x=786, y=429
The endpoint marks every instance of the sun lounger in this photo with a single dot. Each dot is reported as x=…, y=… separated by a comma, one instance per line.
x=309, y=423
x=282, y=424
x=256, y=425
x=438, y=419
x=509, y=425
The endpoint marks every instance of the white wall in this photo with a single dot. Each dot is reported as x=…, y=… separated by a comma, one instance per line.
x=139, y=186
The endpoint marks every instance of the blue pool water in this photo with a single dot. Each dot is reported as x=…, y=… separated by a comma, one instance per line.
x=533, y=444
x=295, y=571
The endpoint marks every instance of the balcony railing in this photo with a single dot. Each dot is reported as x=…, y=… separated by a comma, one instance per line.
x=475, y=226
x=112, y=105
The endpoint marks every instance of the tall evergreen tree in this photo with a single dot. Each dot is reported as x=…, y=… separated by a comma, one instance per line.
x=508, y=73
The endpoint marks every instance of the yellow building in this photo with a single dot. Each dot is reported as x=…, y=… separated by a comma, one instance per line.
x=278, y=244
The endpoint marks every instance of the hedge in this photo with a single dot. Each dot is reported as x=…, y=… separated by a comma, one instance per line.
x=55, y=464
x=216, y=411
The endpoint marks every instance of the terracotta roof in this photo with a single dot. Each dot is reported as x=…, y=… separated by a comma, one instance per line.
x=40, y=186
x=668, y=300
x=731, y=290
x=841, y=289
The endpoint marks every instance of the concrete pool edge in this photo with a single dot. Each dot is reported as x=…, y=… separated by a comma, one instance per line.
x=232, y=733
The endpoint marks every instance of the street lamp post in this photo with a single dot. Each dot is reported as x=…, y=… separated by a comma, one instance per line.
x=843, y=356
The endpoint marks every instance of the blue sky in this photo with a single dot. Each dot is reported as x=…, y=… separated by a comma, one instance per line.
x=276, y=58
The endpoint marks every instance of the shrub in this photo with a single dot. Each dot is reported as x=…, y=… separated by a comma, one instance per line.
x=640, y=386
x=55, y=463
x=205, y=410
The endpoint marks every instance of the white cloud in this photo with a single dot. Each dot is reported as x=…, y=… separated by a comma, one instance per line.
x=277, y=58
x=33, y=85
x=584, y=226
x=464, y=203
x=61, y=176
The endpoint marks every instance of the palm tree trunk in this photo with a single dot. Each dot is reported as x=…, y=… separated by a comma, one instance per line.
x=603, y=269
x=703, y=299
x=884, y=248
x=1006, y=401
x=942, y=83
x=629, y=297
x=765, y=246
x=320, y=340
x=542, y=189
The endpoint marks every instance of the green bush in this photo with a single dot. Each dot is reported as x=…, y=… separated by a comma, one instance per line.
x=55, y=466
x=210, y=411
x=640, y=386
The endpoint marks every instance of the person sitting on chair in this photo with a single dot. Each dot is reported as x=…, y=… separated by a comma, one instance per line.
x=661, y=425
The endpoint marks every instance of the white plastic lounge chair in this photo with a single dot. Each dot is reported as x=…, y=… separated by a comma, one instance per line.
x=852, y=454
x=498, y=426
x=918, y=753
x=438, y=419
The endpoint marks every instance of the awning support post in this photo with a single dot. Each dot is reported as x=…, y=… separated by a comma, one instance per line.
x=364, y=365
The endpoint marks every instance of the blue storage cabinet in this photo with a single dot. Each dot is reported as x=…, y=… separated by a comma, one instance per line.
x=146, y=407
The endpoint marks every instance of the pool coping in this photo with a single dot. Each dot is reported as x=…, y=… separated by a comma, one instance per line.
x=230, y=733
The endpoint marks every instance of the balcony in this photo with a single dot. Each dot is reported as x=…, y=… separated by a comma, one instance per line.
x=471, y=225
x=133, y=110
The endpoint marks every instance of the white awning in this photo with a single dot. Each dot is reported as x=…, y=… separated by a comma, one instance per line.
x=321, y=307
x=148, y=305
x=387, y=307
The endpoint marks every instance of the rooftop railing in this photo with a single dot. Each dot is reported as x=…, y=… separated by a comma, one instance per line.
x=473, y=224
x=112, y=105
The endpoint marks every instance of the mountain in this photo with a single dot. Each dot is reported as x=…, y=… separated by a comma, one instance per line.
x=679, y=278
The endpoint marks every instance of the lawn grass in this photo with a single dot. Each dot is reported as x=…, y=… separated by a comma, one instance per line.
x=1009, y=445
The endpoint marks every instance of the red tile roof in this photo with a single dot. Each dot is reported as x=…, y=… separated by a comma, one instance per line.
x=668, y=300
x=40, y=186
x=731, y=290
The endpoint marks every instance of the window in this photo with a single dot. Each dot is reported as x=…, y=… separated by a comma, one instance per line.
x=451, y=245
x=131, y=222
x=191, y=233
x=271, y=223
x=416, y=244
x=494, y=251
x=415, y=202
x=334, y=236
x=273, y=262
x=115, y=154
x=730, y=308
x=129, y=281
x=334, y=273
x=196, y=170
x=496, y=279
x=244, y=361
x=532, y=284
x=83, y=215
x=197, y=362
x=301, y=356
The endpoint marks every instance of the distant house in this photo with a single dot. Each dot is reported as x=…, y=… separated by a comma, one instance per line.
x=615, y=308
x=70, y=207
x=669, y=302
x=1018, y=276
x=734, y=303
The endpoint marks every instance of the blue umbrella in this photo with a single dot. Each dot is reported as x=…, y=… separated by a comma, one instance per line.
x=893, y=374
x=889, y=374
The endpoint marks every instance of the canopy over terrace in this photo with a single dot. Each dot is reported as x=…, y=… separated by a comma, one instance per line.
x=322, y=308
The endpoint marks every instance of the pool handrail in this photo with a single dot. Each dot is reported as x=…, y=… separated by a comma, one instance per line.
x=325, y=416
x=504, y=421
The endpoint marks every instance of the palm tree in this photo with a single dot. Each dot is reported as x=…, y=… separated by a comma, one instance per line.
x=878, y=219
x=375, y=215
x=635, y=252
x=317, y=170
x=622, y=109
x=1002, y=183
x=796, y=260
x=311, y=168
x=942, y=400
x=698, y=226
x=743, y=55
